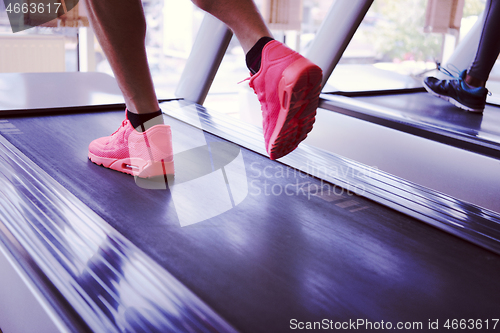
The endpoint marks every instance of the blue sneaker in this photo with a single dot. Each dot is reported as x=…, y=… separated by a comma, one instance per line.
x=457, y=92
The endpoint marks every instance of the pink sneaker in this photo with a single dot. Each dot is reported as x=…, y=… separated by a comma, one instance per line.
x=288, y=87
x=144, y=155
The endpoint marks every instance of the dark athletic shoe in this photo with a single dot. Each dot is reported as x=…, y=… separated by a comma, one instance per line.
x=458, y=93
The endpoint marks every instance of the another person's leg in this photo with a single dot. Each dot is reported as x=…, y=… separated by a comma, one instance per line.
x=120, y=27
x=488, y=48
x=468, y=91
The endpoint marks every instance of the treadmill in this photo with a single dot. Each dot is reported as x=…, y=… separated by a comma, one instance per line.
x=236, y=242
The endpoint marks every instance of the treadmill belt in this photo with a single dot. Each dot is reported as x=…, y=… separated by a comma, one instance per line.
x=422, y=114
x=287, y=251
x=426, y=108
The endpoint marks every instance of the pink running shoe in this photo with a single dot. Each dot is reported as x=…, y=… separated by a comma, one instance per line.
x=148, y=154
x=288, y=87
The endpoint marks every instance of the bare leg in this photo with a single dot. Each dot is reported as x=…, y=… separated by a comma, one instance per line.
x=120, y=27
x=241, y=16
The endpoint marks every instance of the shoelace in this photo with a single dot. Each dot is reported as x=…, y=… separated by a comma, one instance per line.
x=452, y=71
x=456, y=71
x=247, y=79
x=124, y=123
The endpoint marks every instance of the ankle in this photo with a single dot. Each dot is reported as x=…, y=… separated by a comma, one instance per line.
x=144, y=121
x=473, y=82
x=254, y=56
